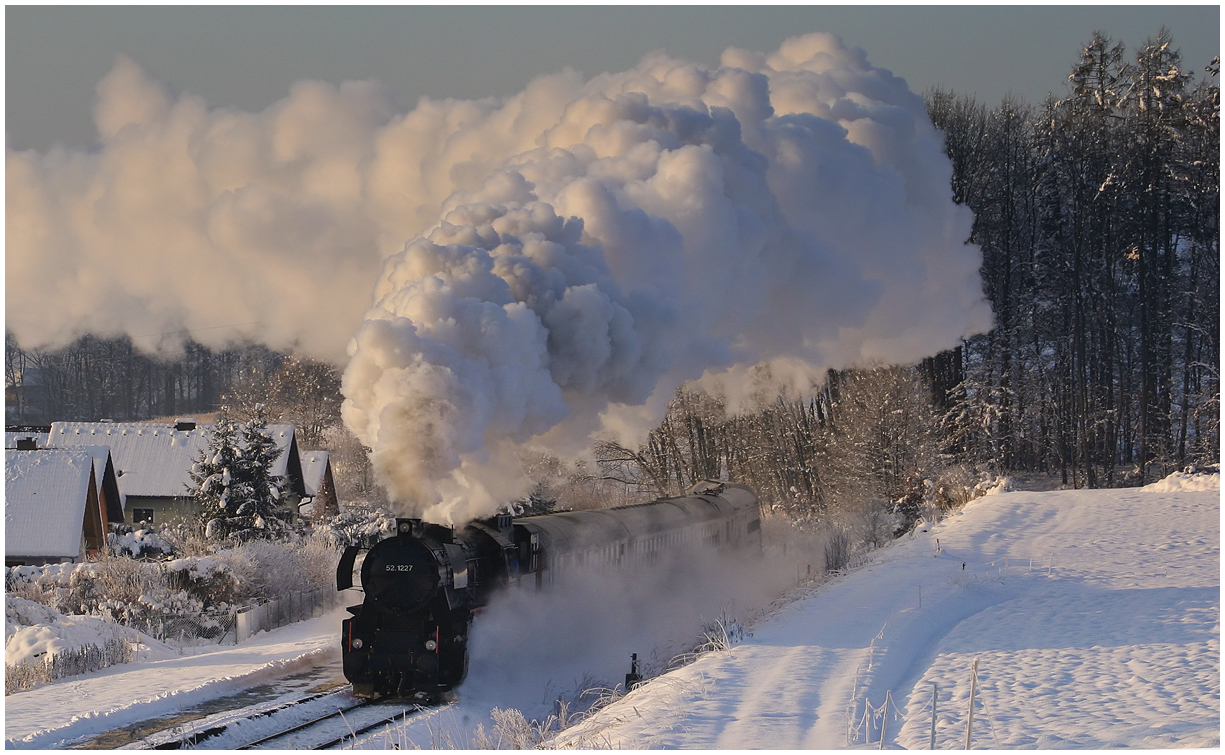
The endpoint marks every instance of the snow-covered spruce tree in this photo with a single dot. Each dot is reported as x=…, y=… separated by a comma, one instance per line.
x=234, y=484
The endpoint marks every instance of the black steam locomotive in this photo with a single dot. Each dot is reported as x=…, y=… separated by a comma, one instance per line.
x=409, y=637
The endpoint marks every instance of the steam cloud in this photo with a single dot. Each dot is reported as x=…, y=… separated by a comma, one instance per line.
x=553, y=264
x=530, y=645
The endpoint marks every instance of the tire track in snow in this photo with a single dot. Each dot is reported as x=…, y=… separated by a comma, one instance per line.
x=776, y=705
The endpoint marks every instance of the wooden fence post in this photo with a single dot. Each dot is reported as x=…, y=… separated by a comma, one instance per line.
x=973, y=690
x=884, y=721
x=935, y=693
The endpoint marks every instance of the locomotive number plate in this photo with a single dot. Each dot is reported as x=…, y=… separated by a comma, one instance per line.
x=399, y=567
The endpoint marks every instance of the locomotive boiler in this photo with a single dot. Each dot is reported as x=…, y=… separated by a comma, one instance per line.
x=423, y=585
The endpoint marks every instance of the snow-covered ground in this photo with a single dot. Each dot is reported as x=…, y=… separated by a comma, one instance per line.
x=1094, y=618
x=56, y=714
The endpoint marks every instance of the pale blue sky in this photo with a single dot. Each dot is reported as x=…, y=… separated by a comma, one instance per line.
x=248, y=57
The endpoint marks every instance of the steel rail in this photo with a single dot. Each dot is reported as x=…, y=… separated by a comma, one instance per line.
x=370, y=727
x=302, y=726
x=199, y=736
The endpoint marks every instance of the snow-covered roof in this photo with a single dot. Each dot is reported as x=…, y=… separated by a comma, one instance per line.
x=283, y=435
x=153, y=459
x=100, y=454
x=45, y=493
x=11, y=438
x=314, y=465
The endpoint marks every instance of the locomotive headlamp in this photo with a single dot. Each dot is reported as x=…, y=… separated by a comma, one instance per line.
x=357, y=643
x=430, y=645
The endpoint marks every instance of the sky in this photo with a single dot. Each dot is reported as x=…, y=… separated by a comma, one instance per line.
x=248, y=57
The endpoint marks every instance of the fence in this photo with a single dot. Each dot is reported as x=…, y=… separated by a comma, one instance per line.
x=211, y=628
x=287, y=610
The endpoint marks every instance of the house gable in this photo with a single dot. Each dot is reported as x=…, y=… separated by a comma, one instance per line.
x=51, y=507
x=317, y=479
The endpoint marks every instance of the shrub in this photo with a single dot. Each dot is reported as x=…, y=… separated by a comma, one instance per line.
x=272, y=569
x=208, y=579
x=361, y=523
x=837, y=549
x=124, y=540
x=720, y=634
x=145, y=595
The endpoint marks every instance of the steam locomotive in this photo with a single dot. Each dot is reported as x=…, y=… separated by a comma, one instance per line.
x=409, y=636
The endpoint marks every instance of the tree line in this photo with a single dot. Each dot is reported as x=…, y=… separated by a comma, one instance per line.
x=1099, y=220
x=113, y=378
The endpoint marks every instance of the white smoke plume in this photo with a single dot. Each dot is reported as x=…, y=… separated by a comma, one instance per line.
x=658, y=225
x=554, y=264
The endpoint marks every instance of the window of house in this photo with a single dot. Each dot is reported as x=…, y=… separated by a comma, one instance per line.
x=142, y=515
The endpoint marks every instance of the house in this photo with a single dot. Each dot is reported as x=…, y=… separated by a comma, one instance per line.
x=317, y=479
x=152, y=463
x=29, y=438
x=54, y=507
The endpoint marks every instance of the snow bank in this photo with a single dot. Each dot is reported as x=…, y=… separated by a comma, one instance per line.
x=30, y=644
x=42, y=645
x=32, y=631
x=1191, y=480
x=20, y=613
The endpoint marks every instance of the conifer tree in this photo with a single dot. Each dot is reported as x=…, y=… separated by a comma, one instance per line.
x=234, y=484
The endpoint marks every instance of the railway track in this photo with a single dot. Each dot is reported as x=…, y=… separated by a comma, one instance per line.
x=320, y=733
x=342, y=719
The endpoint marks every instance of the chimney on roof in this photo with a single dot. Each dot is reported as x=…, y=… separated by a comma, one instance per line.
x=183, y=424
x=27, y=444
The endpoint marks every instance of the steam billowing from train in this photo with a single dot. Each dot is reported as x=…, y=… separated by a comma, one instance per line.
x=553, y=264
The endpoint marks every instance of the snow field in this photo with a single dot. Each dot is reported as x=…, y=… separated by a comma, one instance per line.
x=1118, y=645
